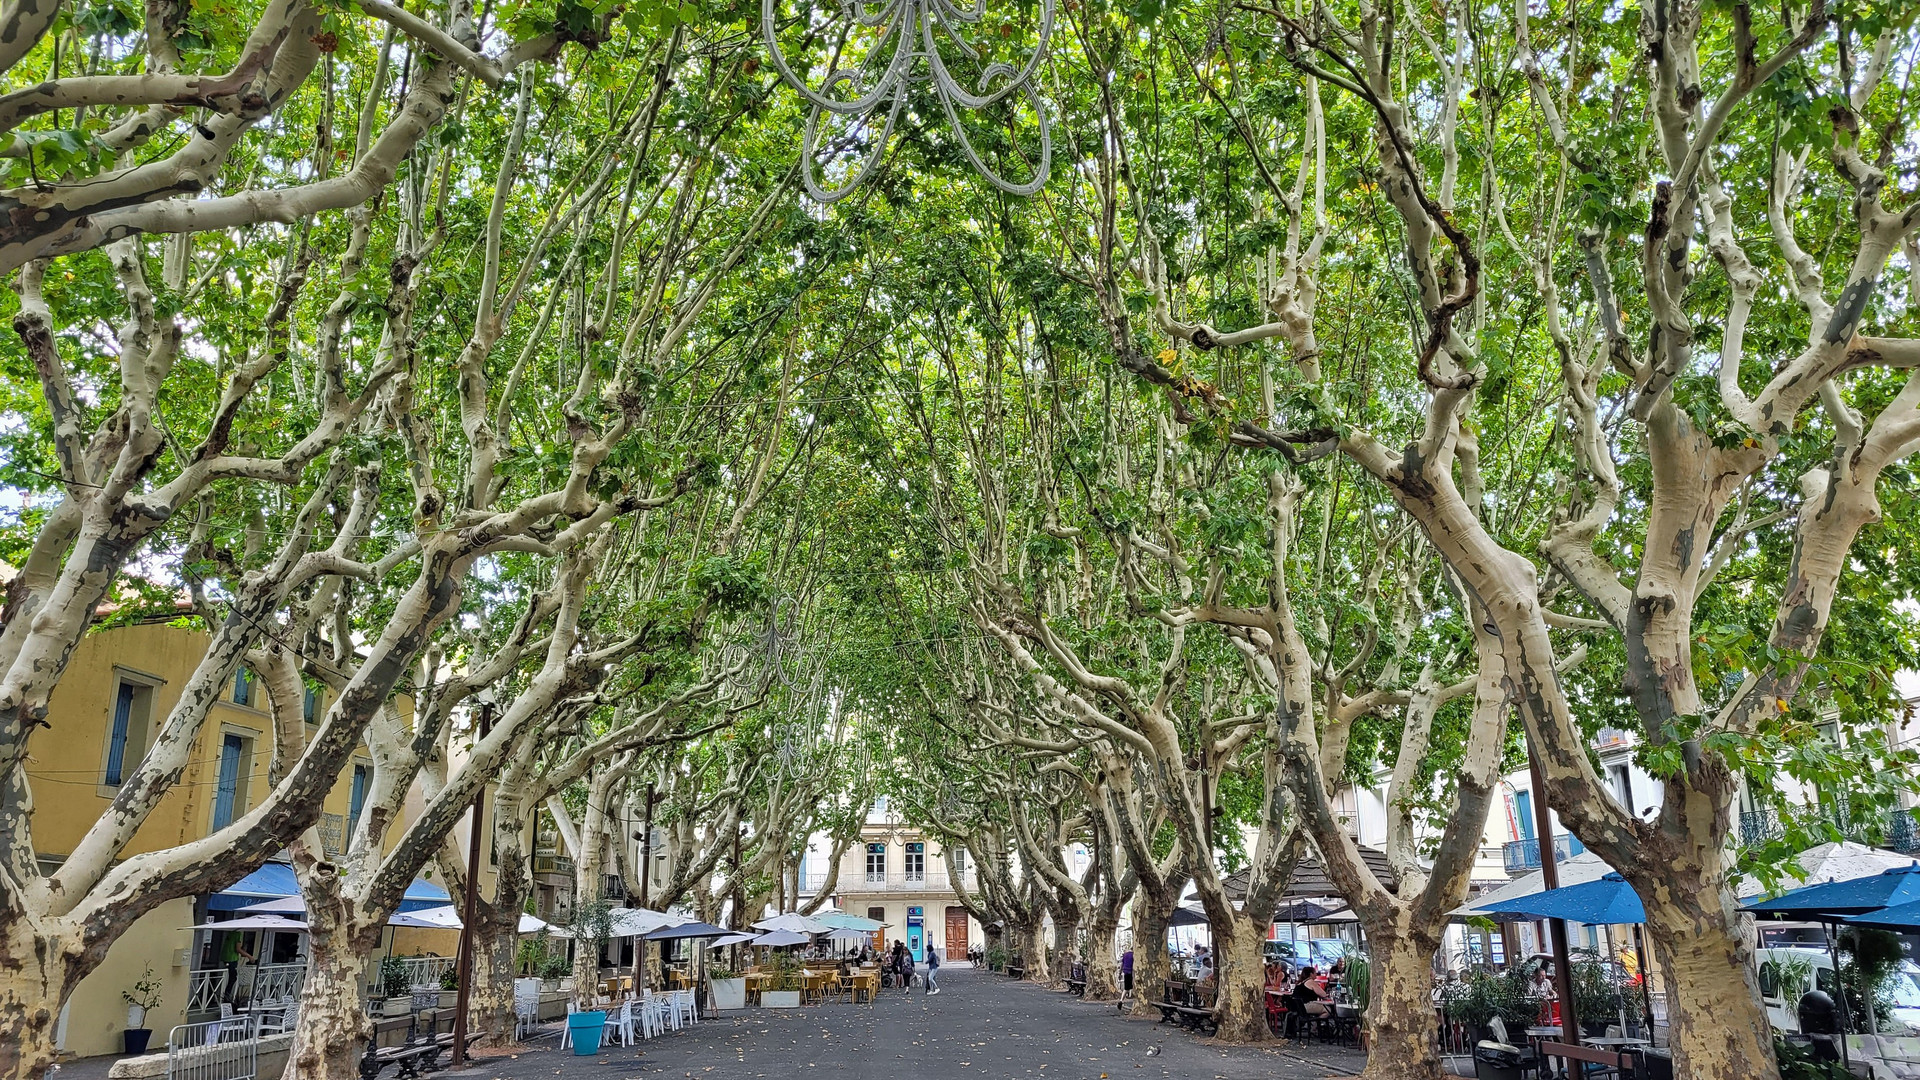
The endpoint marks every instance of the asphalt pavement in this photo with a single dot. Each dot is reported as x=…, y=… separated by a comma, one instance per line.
x=980, y=1026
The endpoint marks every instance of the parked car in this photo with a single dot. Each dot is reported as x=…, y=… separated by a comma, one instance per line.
x=1788, y=971
x=1298, y=953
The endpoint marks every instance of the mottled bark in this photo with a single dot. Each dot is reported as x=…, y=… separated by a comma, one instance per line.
x=1240, y=980
x=1400, y=1020
x=1103, y=960
x=1151, y=964
x=34, y=979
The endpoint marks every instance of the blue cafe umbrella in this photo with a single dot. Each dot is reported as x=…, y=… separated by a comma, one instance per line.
x=1604, y=901
x=1904, y=918
x=1832, y=901
x=1823, y=901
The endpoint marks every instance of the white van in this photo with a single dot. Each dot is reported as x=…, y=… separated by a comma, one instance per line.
x=1781, y=991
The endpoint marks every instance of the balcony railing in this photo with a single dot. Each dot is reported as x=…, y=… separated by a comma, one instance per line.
x=893, y=881
x=1895, y=829
x=206, y=989
x=278, y=982
x=425, y=972
x=1521, y=855
x=546, y=862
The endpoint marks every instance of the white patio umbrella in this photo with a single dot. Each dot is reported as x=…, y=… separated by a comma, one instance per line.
x=778, y=938
x=279, y=905
x=256, y=922
x=793, y=922
x=848, y=935
x=533, y=924
x=730, y=939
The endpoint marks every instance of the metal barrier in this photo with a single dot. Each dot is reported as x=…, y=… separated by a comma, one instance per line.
x=1455, y=1041
x=227, y=1049
x=206, y=989
x=278, y=982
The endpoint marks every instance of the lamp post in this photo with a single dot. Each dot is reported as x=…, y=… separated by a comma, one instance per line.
x=464, y=996
x=1550, y=879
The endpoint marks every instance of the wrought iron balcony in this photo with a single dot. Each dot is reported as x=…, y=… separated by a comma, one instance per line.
x=1522, y=855
x=1895, y=829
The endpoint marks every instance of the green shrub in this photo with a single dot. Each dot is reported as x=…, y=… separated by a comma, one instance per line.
x=393, y=977
x=1482, y=995
x=1359, y=981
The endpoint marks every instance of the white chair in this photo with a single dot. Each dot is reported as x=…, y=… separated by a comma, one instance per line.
x=566, y=1033
x=686, y=1006
x=279, y=1016
x=526, y=1006
x=620, y=1022
x=653, y=1015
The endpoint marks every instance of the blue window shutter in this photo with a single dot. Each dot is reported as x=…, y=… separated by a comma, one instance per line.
x=356, y=801
x=117, y=739
x=243, y=687
x=1523, y=806
x=228, y=787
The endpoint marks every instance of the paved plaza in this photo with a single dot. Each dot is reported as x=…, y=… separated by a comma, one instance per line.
x=979, y=1027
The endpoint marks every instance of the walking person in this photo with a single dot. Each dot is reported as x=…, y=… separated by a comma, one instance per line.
x=933, y=968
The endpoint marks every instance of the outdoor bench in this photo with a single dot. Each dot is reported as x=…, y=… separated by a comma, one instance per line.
x=409, y=1058
x=1608, y=1060
x=1077, y=987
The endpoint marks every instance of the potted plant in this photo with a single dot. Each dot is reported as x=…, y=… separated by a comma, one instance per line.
x=729, y=989
x=996, y=957
x=782, y=988
x=592, y=929
x=555, y=969
x=143, y=997
x=393, y=984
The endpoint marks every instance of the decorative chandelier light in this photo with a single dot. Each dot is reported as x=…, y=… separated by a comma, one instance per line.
x=906, y=32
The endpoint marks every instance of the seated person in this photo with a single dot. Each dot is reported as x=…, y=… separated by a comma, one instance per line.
x=1307, y=996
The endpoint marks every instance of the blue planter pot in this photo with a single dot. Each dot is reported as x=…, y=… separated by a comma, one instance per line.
x=585, y=1028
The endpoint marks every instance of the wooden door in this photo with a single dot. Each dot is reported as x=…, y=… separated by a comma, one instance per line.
x=956, y=933
x=878, y=914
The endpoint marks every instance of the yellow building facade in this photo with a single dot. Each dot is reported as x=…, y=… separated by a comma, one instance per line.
x=117, y=692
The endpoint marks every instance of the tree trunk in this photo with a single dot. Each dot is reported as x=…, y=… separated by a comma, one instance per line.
x=1151, y=965
x=1718, y=1029
x=1240, y=978
x=1103, y=962
x=1033, y=950
x=1066, y=946
x=33, y=983
x=1400, y=1016
x=333, y=1026
x=496, y=951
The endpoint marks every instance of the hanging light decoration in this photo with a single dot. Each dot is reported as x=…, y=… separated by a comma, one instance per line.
x=906, y=33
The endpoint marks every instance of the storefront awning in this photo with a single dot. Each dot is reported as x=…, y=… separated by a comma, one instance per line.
x=276, y=879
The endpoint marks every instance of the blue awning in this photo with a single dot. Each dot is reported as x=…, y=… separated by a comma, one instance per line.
x=424, y=894
x=276, y=879
x=271, y=880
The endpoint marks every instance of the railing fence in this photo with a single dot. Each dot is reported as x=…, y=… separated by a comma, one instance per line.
x=226, y=1049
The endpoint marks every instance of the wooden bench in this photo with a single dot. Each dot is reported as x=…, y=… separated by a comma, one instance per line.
x=1622, y=1064
x=1077, y=987
x=1197, y=1019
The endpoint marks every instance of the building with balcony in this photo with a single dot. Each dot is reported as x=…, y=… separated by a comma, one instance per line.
x=104, y=715
x=898, y=875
